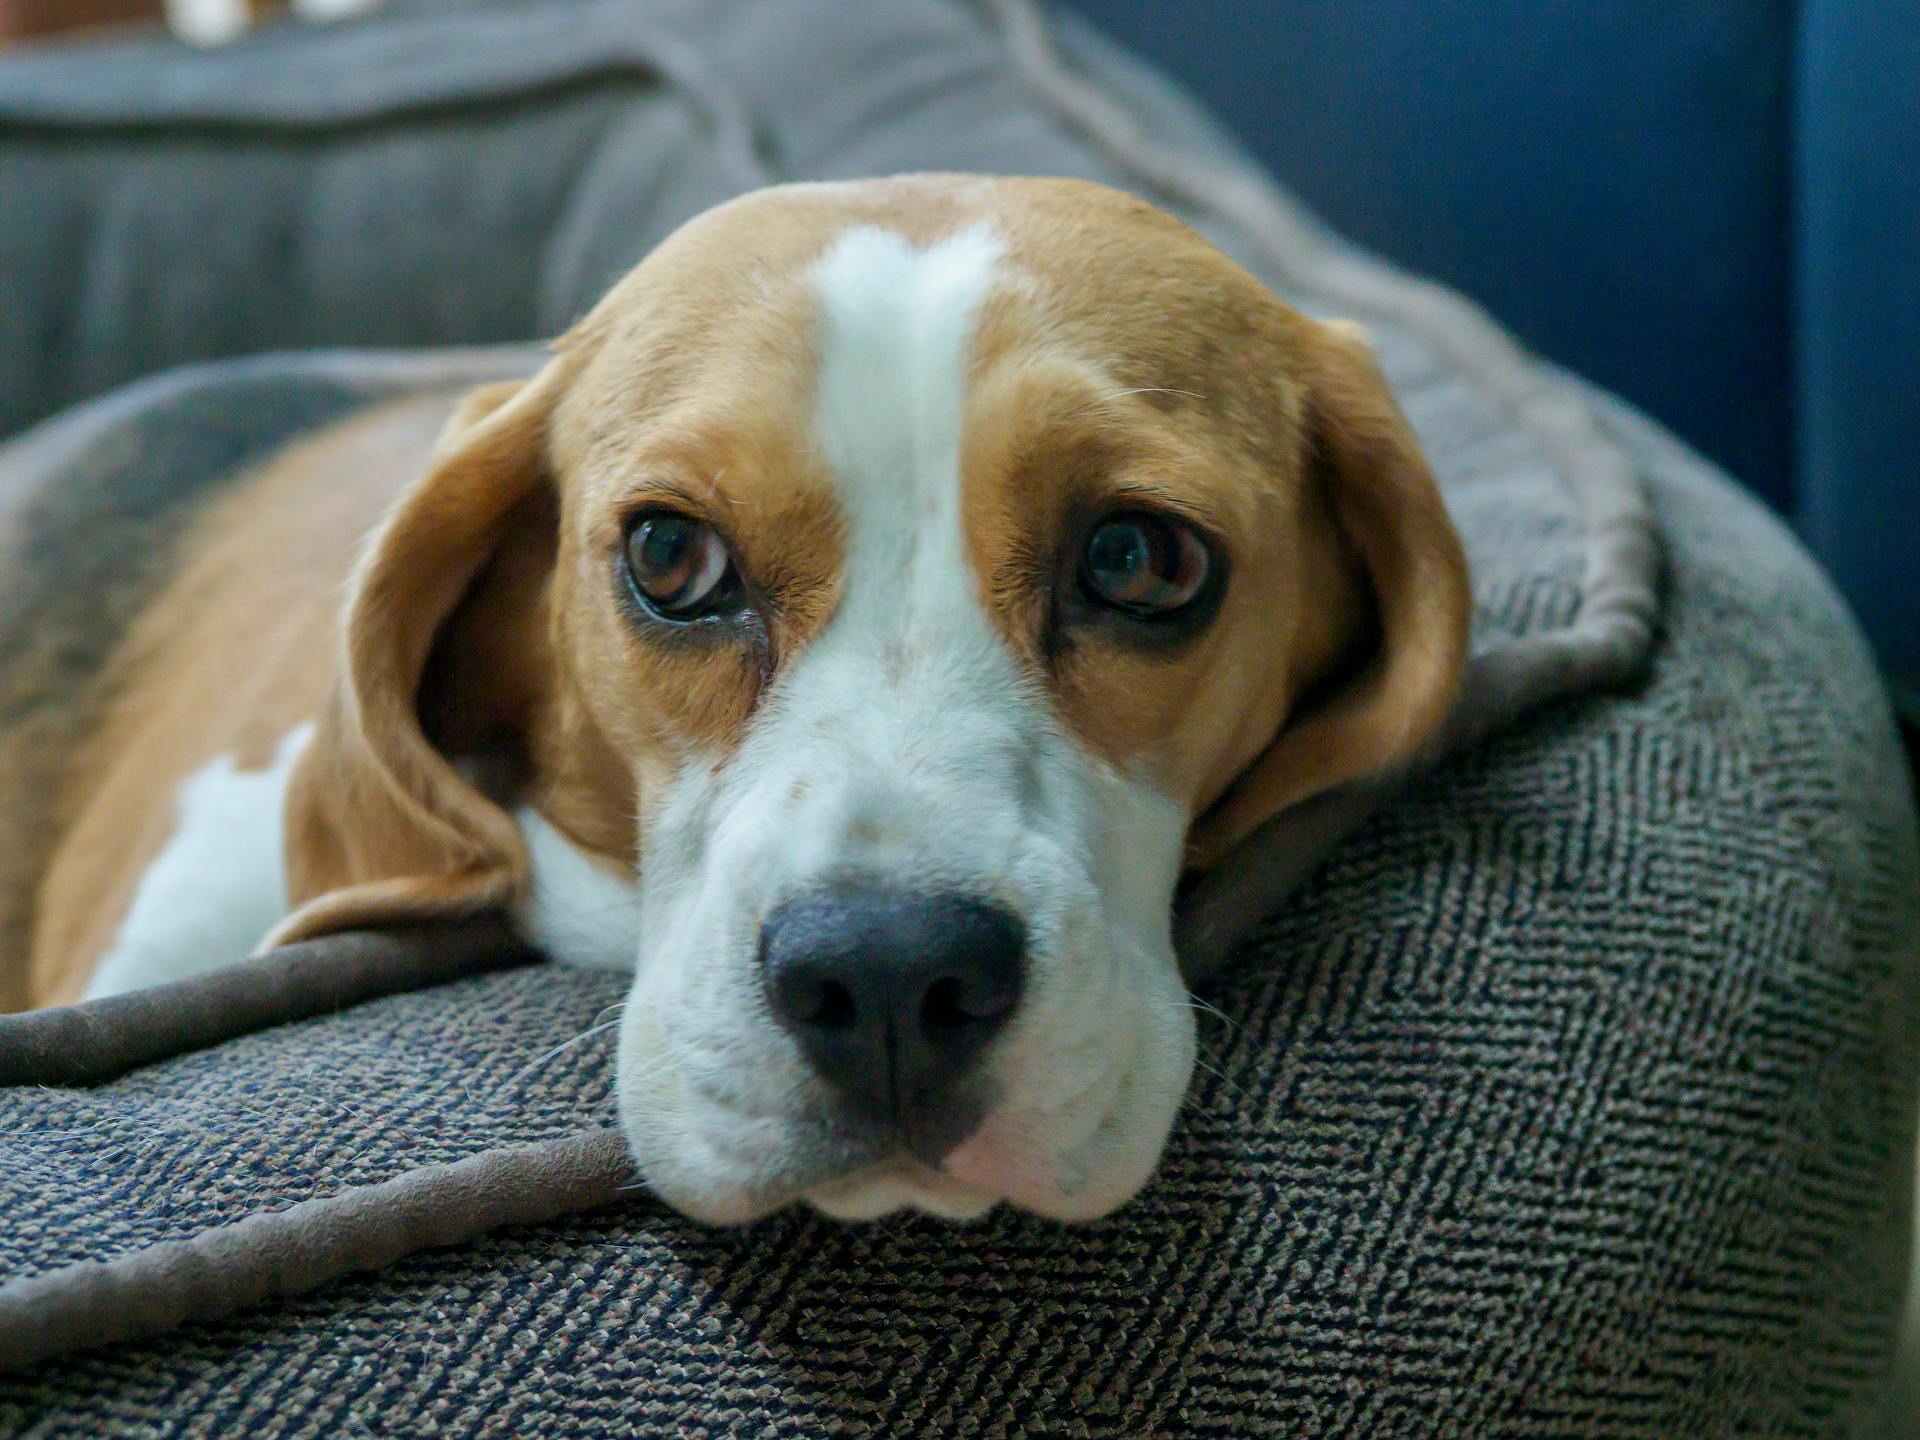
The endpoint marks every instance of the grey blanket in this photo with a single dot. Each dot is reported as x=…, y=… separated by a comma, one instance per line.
x=1568, y=1097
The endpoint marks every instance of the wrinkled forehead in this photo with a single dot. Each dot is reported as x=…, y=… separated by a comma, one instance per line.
x=727, y=329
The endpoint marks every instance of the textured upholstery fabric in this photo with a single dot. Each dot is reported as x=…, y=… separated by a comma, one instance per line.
x=1571, y=1098
x=309, y=189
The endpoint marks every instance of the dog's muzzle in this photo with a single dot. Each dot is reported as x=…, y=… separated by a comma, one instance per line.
x=893, y=996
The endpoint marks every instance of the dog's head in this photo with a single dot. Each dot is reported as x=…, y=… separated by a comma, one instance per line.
x=893, y=587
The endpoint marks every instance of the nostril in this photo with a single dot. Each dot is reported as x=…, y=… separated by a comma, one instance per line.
x=944, y=1007
x=819, y=1001
x=954, y=1002
x=831, y=1006
x=836, y=1007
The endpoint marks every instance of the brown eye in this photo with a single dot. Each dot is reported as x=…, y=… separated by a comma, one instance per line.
x=1143, y=564
x=680, y=566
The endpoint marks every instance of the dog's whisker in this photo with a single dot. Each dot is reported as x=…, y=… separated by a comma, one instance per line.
x=1154, y=390
x=634, y=1076
x=1206, y=1007
x=668, y=1054
x=559, y=1049
x=1109, y=399
x=1191, y=1101
x=1221, y=1076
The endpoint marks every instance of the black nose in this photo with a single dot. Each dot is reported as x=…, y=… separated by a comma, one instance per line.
x=892, y=994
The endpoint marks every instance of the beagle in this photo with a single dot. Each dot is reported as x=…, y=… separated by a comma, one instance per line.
x=855, y=629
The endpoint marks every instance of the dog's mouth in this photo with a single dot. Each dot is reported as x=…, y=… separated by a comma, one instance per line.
x=963, y=1186
x=900, y=1183
x=849, y=1169
x=860, y=1173
x=1064, y=1118
x=855, y=1184
x=878, y=1082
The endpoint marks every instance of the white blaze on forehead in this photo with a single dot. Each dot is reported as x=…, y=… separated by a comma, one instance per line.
x=896, y=324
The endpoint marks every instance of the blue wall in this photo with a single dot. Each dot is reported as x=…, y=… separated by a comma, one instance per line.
x=1858, y=255
x=1610, y=179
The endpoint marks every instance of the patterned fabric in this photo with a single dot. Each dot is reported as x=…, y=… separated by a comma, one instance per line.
x=1572, y=1098
x=1569, y=1100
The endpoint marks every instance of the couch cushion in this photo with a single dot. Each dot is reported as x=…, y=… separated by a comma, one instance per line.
x=1570, y=1098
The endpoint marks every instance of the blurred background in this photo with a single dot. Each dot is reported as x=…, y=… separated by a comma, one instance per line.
x=1711, y=207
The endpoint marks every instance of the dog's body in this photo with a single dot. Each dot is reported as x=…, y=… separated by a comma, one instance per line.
x=858, y=624
x=227, y=660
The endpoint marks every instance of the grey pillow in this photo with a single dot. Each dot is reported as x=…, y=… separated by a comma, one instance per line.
x=1571, y=1096
x=450, y=174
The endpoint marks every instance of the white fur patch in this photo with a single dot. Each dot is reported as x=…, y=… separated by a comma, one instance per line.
x=218, y=884
x=579, y=911
x=896, y=325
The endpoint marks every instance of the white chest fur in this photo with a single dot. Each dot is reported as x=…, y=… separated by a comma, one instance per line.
x=218, y=884
x=578, y=911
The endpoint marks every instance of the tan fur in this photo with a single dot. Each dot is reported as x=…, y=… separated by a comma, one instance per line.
x=232, y=655
x=1386, y=506
x=1123, y=361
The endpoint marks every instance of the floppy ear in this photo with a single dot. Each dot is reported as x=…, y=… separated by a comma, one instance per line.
x=381, y=827
x=1384, y=500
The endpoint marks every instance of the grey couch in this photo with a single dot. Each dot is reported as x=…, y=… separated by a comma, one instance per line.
x=1571, y=1097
